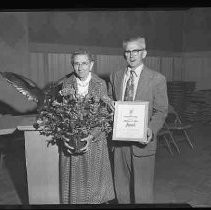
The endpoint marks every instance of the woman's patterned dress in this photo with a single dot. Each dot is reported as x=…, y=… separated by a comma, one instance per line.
x=87, y=178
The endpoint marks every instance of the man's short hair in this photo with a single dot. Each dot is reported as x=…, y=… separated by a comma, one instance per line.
x=139, y=39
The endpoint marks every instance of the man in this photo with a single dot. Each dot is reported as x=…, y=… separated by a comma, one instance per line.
x=134, y=162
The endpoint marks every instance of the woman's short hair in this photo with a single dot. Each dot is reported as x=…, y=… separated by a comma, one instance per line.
x=82, y=52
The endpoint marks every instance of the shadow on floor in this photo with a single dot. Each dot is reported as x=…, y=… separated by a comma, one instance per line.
x=185, y=177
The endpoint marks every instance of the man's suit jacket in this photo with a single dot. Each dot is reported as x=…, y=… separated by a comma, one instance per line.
x=151, y=88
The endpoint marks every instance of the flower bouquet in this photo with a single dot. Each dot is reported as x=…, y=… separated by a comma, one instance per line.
x=73, y=118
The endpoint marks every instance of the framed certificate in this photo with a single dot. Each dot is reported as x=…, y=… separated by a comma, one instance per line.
x=130, y=121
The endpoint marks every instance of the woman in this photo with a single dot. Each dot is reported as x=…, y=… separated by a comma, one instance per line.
x=86, y=178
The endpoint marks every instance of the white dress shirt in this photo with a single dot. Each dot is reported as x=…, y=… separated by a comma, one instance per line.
x=137, y=74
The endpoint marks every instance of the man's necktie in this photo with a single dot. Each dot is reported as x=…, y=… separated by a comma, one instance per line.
x=129, y=90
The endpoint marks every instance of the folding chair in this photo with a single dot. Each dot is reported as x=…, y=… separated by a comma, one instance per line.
x=165, y=133
x=174, y=123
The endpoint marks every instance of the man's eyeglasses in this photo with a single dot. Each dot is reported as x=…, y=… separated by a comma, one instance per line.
x=83, y=64
x=133, y=52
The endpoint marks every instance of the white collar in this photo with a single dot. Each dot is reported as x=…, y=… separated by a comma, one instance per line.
x=137, y=71
x=84, y=82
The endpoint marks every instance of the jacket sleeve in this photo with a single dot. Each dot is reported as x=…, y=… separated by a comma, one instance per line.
x=160, y=105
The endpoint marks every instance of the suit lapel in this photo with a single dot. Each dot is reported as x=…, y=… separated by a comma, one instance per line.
x=94, y=86
x=91, y=86
x=119, y=84
x=71, y=82
x=142, y=84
